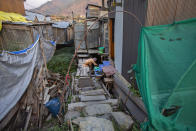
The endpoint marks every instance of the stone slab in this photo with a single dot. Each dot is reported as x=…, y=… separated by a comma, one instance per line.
x=71, y=115
x=106, y=116
x=78, y=120
x=92, y=98
x=96, y=124
x=93, y=92
x=85, y=82
x=124, y=121
x=76, y=106
x=113, y=102
x=98, y=109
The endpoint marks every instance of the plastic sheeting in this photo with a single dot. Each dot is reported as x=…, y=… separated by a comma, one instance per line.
x=4, y=16
x=166, y=76
x=16, y=70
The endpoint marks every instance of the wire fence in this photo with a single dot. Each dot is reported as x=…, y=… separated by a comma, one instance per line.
x=13, y=38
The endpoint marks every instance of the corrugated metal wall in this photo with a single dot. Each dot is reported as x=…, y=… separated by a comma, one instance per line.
x=92, y=39
x=70, y=34
x=118, y=38
x=93, y=34
x=161, y=12
x=92, y=11
x=60, y=35
x=131, y=33
x=79, y=33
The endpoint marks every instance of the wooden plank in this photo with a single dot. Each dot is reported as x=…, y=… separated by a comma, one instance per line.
x=85, y=82
x=84, y=71
x=133, y=104
x=86, y=88
x=186, y=9
x=167, y=11
x=28, y=119
x=84, y=59
x=78, y=72
x=16, y=27
x=72, y=84
x=9, y=116
x=92, y=51
x=111, y=39
x=46, y=90
x=46, y=99
x=108, y=80
x=106, y=90
x=83, y=55
x=80, y=61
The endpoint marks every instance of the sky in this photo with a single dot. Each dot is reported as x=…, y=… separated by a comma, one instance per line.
x=30, y=4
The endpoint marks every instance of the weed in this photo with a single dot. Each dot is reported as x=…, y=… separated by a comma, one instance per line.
x=135, y=128
x=61, y=60
x=116, y=127
x=63, y=127
x=82, y=114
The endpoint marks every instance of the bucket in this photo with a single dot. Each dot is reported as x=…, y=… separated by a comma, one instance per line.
x=101, y=50
x=106, y=63
x=97, y=71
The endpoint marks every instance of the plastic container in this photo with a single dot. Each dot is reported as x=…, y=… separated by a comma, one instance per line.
x=101, y=66
x=101, y=50
x=106, y=63
x=97, y=71
x=53, y=106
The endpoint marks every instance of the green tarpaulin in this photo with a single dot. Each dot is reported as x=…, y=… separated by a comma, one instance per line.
x=166, y=75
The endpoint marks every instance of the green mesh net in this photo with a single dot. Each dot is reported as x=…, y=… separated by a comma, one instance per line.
x=166, y=75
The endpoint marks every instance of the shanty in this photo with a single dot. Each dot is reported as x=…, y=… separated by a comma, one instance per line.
x=97, y=65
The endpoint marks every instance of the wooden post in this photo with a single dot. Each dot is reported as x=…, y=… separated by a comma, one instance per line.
x=111, y=39
x=42, y=101
x=1, y=42
x=86, y=35
x=28, y=119
x=44, y=58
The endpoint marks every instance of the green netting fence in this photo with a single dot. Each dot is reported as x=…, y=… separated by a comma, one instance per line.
x=166, y=75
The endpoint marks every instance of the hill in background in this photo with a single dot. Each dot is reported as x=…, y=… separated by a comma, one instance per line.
x=65, y=7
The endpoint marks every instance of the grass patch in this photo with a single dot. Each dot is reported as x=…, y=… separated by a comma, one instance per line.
x=64, y=127
x=69, y=99
x=61, y=60
x=135, y=128
x=82, y=114
x=53, y=125
x=134, y=89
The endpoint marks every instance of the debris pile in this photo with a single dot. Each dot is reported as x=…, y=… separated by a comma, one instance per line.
x=31, y=110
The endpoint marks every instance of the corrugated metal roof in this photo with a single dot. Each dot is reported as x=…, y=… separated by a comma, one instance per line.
x=31, y=16
x=61, y=24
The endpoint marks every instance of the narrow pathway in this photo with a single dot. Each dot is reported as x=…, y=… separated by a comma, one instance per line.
x=91, y=107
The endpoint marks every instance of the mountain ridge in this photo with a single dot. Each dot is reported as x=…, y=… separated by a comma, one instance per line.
x=65, y=7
